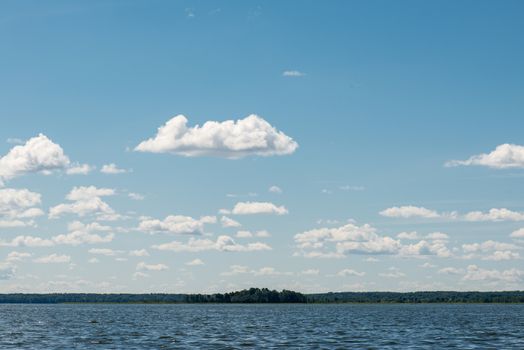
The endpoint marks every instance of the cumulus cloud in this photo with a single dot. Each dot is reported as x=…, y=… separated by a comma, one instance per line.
x=247, y=208
x=337, y=242
x=195, y=262
x=104, y=251
x=223, y=243
x=38, y=154
x=151, y=267
x=502, y=157
x=230, y=139
x=495, y=214
x=409, y=211
x=79, y=169
x=85, y=201
x=228, y=222
x=475, y=273
x=408, y=235
x=176, y=224
x=450, y=271
x=112, y=169
x=491, y=250
x=350, y=272
x=80, y=233
x=18, y=207
x=17, y=256
x=139, y=252
x=53, y=259
x=518, y=233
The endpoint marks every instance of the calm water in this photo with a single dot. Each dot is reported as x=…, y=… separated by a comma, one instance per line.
x=261, y=326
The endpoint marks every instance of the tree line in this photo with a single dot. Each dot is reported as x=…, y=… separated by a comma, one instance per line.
x=264, y=295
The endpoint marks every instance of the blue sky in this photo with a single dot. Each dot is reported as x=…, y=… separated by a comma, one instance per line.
x=391, y=130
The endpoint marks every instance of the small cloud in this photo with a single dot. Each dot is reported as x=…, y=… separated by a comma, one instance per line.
x=135, y=196
x=112, y=169
x=79, y=169
x=14, y=141
x=352, y=188
x=195, y=262
x=275, y=189
x=293, y=74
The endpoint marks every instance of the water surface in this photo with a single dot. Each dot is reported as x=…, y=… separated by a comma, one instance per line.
x=290, y=326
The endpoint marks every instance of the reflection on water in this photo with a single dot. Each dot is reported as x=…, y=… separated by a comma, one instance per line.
x=261, y=326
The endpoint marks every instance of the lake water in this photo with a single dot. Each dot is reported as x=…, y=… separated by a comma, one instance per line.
x=202, y=326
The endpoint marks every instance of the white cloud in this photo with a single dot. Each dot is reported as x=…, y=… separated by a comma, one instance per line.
x=153, y=267
x=393, y=273
x=275, y=189
x=27, y=241
x=353, y=239
x=112, y=169
x=518, y=233
x=450, y=271
x=38, y=154
x=79, y=169
x=408, y=235
x=475, y=273
x=293, y=74
x=104, y=251
x=502, y=157
x=135, y=196
x=236, y=270
x=247, y=208
x=139, y=252
x=176, y=224
x=350, y=272
x=195, y=262
x=53, y=259
x=495, y=214
x=223, y=243
x=491, y=250
x=17, y=256
x=231, y=139
x=16, y=206
x=81, y=233
x=228, y=222
x=85, y=201
x=249, y=234
x=409, y=211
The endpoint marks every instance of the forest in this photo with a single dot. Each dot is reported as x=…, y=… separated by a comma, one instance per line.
x=264, y=295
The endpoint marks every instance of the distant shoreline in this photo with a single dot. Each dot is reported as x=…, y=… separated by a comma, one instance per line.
x=266, y=296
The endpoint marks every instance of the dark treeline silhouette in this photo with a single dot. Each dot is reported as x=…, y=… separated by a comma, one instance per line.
x=264, y=295
x=418, y=297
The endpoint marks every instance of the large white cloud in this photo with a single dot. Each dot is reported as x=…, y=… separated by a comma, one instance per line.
x=337, y=242
x=85, y=201
x=502, y=157
x=222, y=243
x=176, y=224
x=247, y=208
x=38, y=154
x=231, y=139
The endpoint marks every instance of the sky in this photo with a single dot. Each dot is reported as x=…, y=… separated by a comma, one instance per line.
x=194, y=146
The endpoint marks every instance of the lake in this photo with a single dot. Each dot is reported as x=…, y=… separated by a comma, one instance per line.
x=275, y=326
